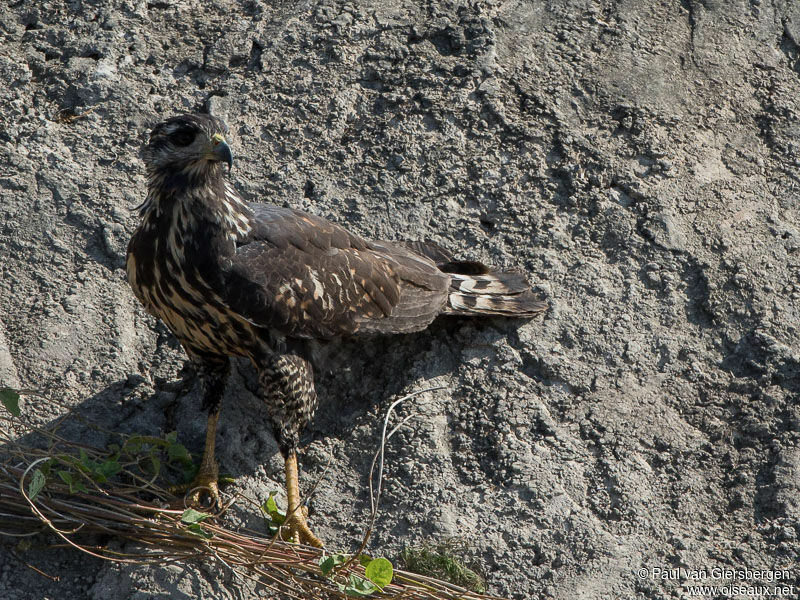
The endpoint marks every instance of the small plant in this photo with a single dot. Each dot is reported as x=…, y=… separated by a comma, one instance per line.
x=442, y=561
x=193, y=518
x=10, y=400
x=98, y=468
x=150, y=453
x=378, y=573
x=274, y=516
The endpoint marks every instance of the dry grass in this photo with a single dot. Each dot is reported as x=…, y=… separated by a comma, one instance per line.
x=443, y=561
x=133, y=504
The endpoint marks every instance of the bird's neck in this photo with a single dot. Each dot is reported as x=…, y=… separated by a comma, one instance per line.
x=186, y=206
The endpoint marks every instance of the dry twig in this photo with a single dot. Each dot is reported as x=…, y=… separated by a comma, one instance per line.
x=135, y=506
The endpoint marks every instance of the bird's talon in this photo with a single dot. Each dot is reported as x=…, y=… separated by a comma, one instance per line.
x=296, y=530
x=205, y=497
x=202, y=493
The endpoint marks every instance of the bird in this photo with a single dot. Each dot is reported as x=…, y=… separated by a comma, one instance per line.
x=232, y=278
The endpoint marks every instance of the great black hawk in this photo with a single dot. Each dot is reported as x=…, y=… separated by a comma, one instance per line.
x=236, y=278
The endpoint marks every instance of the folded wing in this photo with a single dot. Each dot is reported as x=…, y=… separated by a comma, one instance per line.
x=309, y=278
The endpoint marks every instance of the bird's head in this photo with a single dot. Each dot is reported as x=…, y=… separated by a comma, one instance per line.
x=192, y=145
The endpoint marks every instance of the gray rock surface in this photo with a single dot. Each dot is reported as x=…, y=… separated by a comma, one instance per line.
x=640, y=160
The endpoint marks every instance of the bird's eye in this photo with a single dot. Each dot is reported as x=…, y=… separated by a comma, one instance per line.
x=182, y=137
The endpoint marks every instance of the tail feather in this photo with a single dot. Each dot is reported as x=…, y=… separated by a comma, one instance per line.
x=475, y=289
x=492, y=292
x=504, y=282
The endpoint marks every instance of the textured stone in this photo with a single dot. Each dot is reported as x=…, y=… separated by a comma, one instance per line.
x=638, y=160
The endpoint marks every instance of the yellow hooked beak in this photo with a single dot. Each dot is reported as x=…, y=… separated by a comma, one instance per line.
x=220, y=150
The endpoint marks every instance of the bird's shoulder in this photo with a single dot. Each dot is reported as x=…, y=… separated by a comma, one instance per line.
x=283, y=227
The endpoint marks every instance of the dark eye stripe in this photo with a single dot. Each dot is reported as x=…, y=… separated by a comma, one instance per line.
x=182, y=137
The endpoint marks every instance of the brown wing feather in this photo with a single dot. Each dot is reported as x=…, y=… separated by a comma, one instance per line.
x=423, y=289
x=310, y=278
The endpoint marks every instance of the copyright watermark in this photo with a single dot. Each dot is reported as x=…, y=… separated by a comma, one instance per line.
x=719, y=582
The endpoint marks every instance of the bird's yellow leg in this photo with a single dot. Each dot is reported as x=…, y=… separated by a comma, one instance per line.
x=205, y=483
x=296, y=526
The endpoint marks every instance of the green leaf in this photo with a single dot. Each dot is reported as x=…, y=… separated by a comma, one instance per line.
x=270, y=508
x=86, y=462
x=191, y=516
x=328, y=563
x=10, y=400
x=380, y=572
x=189, y=472
x=132, y=446
x=364, y=559
x=197, y=529
x=74, y=484
x=178, y=452
x=107, y=469
x=358, y=587
x=47, y=466
x=36, y=484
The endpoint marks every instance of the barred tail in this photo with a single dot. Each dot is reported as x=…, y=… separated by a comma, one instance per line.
x=478, y=290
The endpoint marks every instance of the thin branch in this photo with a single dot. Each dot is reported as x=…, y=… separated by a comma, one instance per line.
x=379, y=457
x=133, y=508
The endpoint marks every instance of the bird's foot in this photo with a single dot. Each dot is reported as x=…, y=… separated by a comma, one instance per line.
x=203, y=492
x=295, y=529
x=205, y=495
